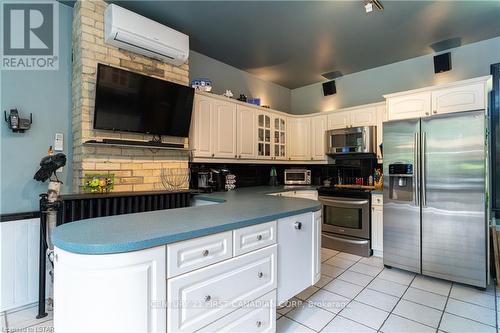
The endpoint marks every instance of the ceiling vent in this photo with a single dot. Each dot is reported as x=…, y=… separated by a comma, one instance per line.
x=332, y=75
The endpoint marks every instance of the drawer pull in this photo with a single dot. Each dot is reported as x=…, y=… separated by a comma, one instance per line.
x=298, y=225
x=208, y=298
x=259, y=237
x=258, y=323
x=205, y=253
x=260, y=275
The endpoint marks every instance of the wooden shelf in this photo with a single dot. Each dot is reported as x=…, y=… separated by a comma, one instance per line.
x=132, y=145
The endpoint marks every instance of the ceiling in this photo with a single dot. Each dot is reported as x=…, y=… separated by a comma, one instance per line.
x=292, y=43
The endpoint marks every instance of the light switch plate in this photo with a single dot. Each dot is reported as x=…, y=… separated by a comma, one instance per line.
x=59, y=142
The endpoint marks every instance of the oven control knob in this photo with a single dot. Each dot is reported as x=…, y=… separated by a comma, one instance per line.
x=298, y=225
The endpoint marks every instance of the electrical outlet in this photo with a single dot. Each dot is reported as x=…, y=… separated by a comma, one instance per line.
x=59, y=142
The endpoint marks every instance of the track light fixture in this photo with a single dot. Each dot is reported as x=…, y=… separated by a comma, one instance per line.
x=370, y=4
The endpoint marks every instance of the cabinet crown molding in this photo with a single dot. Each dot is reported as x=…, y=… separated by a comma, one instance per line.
x=484, y=79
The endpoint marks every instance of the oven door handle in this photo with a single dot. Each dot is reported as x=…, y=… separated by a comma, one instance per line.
x=343, y=202
x=351, y=241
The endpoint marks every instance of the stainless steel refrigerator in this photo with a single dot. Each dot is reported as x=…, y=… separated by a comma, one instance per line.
x=435, y=196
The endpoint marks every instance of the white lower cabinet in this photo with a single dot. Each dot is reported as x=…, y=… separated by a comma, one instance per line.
x=210, y=293
x=254, y=237
x=377, y=225
x=294, y=255
x=186, y=256
x=316, y=246
x=225, y=282
x=258, y=316
x=122, y=292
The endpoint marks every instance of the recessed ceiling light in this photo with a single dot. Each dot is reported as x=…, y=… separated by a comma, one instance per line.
x=369, y=7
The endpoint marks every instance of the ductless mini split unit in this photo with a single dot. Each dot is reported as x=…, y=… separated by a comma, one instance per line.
x=132, y=32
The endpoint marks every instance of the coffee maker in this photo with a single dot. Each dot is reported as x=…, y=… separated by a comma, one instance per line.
x=219, y=179
x=211, y=180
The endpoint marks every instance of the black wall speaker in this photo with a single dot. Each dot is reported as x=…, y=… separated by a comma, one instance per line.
x=329, y=88
x=442, y=62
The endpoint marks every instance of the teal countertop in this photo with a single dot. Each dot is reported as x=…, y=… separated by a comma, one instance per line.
x=132, y=232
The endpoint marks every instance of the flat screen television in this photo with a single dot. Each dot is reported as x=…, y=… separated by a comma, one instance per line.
x=131, y=102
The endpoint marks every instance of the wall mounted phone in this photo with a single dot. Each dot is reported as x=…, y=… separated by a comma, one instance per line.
x=16, y=123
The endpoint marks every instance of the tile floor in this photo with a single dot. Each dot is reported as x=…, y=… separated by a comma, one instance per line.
x=358, y=294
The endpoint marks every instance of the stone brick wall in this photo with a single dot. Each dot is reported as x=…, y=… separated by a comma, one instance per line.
x=135, y=169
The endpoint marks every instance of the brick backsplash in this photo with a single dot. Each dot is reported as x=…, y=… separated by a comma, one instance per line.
x=135, y=169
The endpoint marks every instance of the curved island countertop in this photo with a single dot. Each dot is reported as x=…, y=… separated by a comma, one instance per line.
x=132, y=232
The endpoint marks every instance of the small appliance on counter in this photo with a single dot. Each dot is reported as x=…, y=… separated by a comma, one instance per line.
x=297, y=177
x=219, y=179
x=210, y=180
x=204, y=181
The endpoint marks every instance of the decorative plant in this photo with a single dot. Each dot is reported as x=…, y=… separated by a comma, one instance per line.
x=98, y=182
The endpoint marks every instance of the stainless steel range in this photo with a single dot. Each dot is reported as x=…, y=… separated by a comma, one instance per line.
x=346, y=220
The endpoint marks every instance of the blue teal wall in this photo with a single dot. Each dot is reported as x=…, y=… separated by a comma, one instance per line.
x=224, y=77
x=46, y=94
x=468, y=61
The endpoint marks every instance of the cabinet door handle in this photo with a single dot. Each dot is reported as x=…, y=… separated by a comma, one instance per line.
x=260, y=275
x=239, y=156
x=208, y=298
x=259, y=237
x=435, y=111
x=205, y=253
x=427, y=113
x=213, y=155
x=258, y=323
x=298, y=225
x=235, y=156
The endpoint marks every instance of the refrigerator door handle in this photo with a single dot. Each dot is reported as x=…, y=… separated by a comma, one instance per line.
x=416, y=150
x=424, y=170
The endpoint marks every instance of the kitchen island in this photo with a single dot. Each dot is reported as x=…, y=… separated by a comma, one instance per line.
x=213, y=267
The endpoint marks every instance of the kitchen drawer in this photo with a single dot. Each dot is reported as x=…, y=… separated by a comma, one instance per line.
x=258, y=316
x=254, y=237
x=199, y=298
x=183, y=257
x=377, y=199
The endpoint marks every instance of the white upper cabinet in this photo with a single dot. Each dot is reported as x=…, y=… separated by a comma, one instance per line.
x=338, y=119
x=461, y=98
x=299, y=134
x=363, y=117
x=245, y=131
x=224, y=120
x=279, y=151
x=201, y=131
x=318, y=128
x=353, y=117
x=409, y=106
x=264, y=135
x=458, y=96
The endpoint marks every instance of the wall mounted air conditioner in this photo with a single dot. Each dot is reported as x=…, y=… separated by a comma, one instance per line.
x=132, y=32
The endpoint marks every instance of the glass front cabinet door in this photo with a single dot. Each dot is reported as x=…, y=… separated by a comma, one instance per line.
x=264, y=136
x=271, y=136
x=279, y=139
